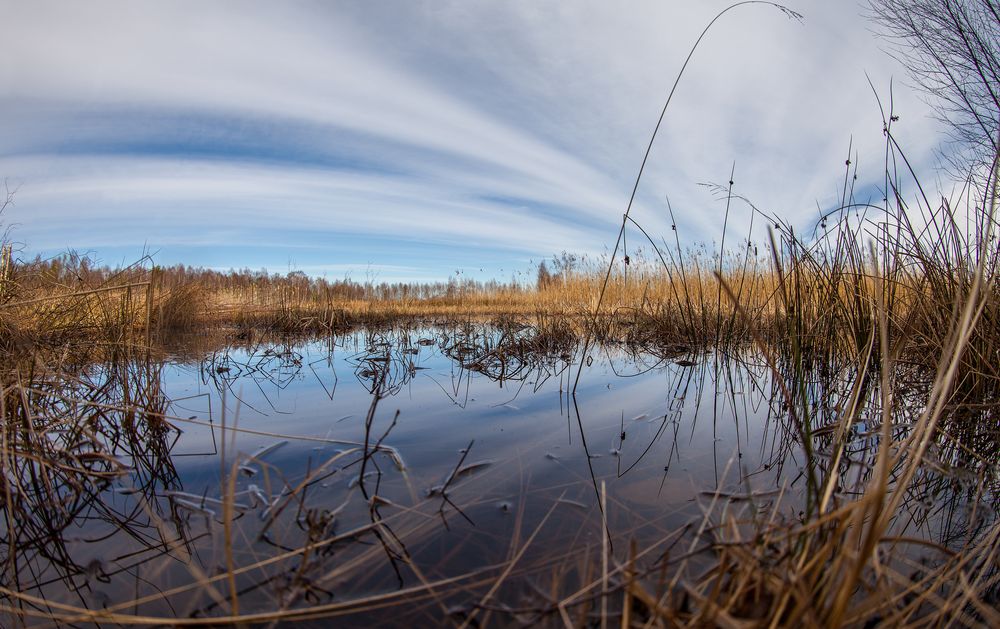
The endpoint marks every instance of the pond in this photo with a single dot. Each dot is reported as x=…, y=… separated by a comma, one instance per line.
x=415, y=476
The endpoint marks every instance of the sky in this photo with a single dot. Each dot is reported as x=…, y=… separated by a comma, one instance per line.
x=413, y=140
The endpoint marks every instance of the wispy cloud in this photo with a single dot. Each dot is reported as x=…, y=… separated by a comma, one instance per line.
x=432, y=134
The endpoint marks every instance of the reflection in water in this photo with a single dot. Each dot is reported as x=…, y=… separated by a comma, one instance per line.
x=416, y=475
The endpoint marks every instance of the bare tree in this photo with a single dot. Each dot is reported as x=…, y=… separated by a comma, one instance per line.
x=6, y=249
x=6, y=200
x=544, y=277
x=564, y=264
x=952, y=51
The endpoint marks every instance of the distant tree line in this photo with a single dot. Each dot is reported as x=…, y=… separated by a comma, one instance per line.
x=73, y=271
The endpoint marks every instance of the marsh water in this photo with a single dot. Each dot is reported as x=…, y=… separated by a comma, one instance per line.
x=448, y=469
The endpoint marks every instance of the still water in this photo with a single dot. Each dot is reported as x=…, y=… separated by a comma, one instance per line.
x=408, y=477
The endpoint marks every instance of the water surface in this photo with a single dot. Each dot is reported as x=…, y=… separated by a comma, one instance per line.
x=364, y=467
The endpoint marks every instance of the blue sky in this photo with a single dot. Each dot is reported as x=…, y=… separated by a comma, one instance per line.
x=407, y=140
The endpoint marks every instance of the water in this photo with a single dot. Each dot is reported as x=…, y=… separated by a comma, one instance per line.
x=362, y=468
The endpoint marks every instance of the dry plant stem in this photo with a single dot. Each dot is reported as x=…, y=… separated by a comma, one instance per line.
x=645, y=158
x=604, y=556
x=510, y=566
x=229, y=478
x=96, y=291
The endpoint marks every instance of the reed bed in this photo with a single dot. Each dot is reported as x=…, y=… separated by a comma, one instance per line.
x=822, y=293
